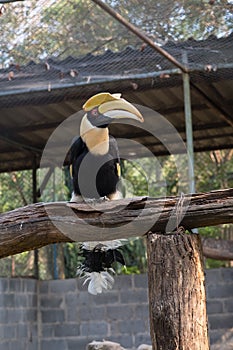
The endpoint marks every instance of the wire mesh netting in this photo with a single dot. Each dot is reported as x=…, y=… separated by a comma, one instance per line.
x=63, y=50
x=77, y=39
x=34, y=30
x=16, y=190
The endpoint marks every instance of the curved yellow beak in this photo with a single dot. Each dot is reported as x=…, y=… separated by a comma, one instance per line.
x=113, y=106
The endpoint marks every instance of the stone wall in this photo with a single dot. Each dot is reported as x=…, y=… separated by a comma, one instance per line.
x=18, y=314
x=219, y=287
x=61, y=315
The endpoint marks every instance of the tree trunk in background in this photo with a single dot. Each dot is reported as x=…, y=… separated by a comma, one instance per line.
x=177, y=294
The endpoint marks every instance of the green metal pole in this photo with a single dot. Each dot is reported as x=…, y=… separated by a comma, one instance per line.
x=55, y=267
x=189, y=128
x=34, y=199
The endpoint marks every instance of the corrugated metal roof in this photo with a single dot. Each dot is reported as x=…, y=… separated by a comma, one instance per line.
x=36, y=98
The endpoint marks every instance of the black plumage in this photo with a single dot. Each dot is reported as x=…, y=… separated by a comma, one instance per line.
x=100, y=259
x=94, y=175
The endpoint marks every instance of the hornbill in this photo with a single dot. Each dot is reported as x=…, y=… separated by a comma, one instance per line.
x=95, y=169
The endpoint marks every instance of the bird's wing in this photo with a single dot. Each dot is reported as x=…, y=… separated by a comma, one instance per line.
x=114, y=151
x=113, y=148
x=76, y=150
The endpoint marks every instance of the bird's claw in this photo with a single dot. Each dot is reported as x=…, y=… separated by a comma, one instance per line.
x=96, y=200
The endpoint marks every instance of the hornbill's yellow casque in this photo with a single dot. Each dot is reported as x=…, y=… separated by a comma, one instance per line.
x=95, y=168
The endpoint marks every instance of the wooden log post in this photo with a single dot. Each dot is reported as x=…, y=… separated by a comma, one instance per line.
x=178, y=318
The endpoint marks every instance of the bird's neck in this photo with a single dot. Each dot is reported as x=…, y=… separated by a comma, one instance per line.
x=96, y=139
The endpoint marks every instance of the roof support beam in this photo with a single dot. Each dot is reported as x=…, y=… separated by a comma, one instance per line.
x=19, y=144
x=220, y=110
x=8, y=1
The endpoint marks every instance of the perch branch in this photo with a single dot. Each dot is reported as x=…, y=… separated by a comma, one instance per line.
x=37, y=225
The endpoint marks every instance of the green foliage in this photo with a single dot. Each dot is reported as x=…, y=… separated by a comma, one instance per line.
x=72, y=259
x=213, y=171
x=56, y=188
x=15, y=190
x=39, y=29
x=155, y=177
x=218, y=170
x=213, y=264
x=135, y=256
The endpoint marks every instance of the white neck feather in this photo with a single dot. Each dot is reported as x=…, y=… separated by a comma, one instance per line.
x=96, y=139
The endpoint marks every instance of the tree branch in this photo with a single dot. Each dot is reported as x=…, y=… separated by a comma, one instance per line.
x=39, y=224
x=218, y=249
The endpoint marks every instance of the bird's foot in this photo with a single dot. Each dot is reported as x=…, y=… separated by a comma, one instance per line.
x=96, y=200
x=114, y=196
x=76, y=198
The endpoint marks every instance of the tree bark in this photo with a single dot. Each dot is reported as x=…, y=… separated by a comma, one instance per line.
x=178, y=319
x=40, y=224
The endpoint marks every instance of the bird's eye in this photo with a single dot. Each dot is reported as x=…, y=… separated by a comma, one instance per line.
x=94, y=112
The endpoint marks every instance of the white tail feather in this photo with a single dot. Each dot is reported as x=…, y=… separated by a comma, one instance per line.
x=98, y=282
